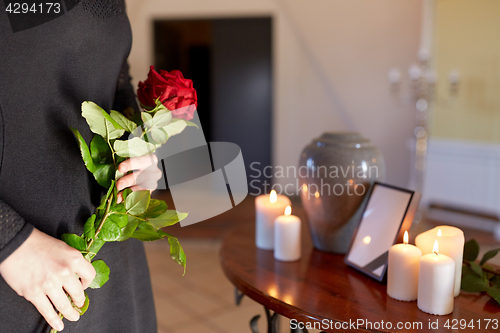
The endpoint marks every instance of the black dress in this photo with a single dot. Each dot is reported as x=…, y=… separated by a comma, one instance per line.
x=46, y=72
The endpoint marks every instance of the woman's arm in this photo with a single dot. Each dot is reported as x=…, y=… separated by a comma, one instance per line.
x=41, y=268
x=13, y=230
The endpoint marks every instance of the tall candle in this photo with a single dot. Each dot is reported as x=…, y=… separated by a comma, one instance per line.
x=267, y=208
x=435, y=283
x=451, y=243
x=287, y=237
x=402, y=271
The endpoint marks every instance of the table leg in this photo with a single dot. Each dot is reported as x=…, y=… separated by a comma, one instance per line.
x=272, y=322
x=238, y=295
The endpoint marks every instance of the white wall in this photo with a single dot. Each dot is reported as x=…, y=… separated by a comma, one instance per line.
x=463, y=174
x=331, y=59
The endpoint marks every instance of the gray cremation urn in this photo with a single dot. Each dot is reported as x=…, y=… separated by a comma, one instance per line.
x=335, y=174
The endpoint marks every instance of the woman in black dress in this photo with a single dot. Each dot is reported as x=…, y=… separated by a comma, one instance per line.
x=46, y=72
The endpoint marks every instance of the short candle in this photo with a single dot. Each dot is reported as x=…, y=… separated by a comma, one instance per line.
x=267, y=208
x=287, y=237
x=451, y=243
x=402, y=271
x=435, y=283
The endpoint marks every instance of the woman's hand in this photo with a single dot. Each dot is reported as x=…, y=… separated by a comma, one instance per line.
x=42, y=269
x=144, y=176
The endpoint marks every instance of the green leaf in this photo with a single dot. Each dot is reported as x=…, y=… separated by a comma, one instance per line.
x=471, y=282
x=476, y=268
x=120, y=220
x=155, y=208
x=159, y=135
x=176, y=252
x=104, y=174
x=102, y=274
x=146, y=117
x=471, y=250
x=84, y=150
x=110, y=232
x=137, y=202
x=104, y=199
x=74, y=241
x=118, y=174
x=125, y=193
x=161, y=119
x=488, y=274
x=170, y=217
x=96, y=245
x=100, y=122
x=133, y=148
x=100, y=150
x=175, y=127
x=496, y=281
x=146, y=233
x=123, y=121
x=489, y=255
x=191, y=124
x=494, y=292
x=128, y=230
x=85, y=306
x=88, y=228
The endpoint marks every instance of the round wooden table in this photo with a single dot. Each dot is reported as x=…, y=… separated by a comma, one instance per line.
x=320, y=288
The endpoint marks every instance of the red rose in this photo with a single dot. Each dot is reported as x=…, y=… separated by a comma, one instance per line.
x=174, y=91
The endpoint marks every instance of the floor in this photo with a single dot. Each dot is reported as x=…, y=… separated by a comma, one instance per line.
x=202, y=301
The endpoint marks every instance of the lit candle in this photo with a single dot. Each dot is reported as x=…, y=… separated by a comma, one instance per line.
x=268, y=207
x=402, y=271
x=435, y=283
x=451, y=243
x=287, y=237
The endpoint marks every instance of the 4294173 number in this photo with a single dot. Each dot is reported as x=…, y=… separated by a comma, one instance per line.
x=456, y=324
x=40, y=8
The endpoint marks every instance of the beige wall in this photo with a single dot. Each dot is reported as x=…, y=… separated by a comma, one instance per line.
x=468, y=40
x=331, y=59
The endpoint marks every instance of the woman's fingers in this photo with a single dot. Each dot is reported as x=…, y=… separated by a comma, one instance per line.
x=145, y=174
x=74, y=288
x=138, y=163
x=86, y=272
x=147, y=178
x=126, y=181
x=43, y=305
x=61, y=302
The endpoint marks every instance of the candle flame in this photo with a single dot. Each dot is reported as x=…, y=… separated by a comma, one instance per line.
x=316, y=194
x=273, y=197
x=304, y=188
x=439, y=233
x=273, y=291
x=435, y=249
x=288, y=210
x=405, y=238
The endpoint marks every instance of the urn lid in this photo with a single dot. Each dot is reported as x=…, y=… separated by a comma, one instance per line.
x=342, y=140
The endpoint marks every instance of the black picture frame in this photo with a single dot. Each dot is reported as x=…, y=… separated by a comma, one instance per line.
x=403, y=225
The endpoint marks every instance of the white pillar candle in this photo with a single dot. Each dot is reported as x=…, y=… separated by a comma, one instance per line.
x=287, y=237
x=402, y=271
x=267, y=208
x=451, y=243
x=435, y=283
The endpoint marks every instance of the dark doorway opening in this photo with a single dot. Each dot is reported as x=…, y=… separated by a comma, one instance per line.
x=230, y=63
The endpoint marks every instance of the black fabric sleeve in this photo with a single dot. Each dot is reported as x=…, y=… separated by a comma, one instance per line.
x=13, y=230
x=125, y=95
